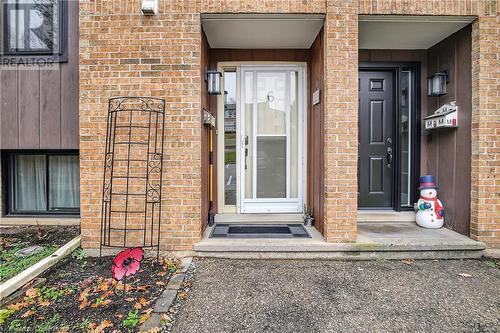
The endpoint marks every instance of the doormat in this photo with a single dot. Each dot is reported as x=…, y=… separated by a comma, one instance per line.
x=259, y=231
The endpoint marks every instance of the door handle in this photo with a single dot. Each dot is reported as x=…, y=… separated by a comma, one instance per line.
x=389, y=157
x=245, y=144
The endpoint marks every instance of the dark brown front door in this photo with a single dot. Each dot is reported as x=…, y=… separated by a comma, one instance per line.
x=376, y=148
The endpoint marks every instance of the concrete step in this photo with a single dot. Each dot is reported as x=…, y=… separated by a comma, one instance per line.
x=375, y=241
x=259, y=218
x=385, y=216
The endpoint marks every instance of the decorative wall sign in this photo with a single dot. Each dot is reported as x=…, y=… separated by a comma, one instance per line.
x=315, y=97
x=445, y=116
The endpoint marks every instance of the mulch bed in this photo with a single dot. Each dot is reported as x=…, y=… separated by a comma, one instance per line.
x=81, y=296
x=18, y=237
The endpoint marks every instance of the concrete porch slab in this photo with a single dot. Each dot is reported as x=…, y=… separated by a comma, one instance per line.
x=395, y=240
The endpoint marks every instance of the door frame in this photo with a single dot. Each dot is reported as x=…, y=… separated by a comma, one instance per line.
x=397, y=68
x=301, y=67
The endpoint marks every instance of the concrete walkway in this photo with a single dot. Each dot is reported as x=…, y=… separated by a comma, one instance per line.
x=332, y=296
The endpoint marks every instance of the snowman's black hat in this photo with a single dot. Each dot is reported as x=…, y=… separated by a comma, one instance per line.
x=426, y=182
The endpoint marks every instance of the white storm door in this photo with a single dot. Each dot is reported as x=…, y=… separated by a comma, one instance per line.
x=271, y=149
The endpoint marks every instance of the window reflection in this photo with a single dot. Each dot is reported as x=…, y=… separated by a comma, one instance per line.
x=230, y=138
x=405, y=137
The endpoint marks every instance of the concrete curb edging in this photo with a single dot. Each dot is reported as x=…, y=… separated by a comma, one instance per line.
x=167, y=298
x=16, y=282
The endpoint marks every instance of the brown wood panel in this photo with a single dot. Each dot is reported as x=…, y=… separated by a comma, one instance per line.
x=40, y=110
x=463, y=165
x=205, y=133
x=449, y=150
x=70, y=138
x=29, y=109
x=50, y=109
x=316, y=134
x=9, y=116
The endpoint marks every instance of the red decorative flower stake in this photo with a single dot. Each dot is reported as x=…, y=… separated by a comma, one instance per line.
x=127, y=263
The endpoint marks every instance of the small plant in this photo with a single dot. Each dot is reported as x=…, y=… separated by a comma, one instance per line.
x=15, y=325
x=308, y=212
x=492, y=264
x=4, y=314
x=49, y=325
x=78, y=254
x=132, y=319
x=308, y=216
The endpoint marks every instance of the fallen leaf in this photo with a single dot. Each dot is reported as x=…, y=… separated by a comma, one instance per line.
x=160, y=283
x=130, y=299
x=408, y=261
x=103, y=303
x=27, y=314
x=182, y=295
x=101, y=327
x=143, y=318
x=141, y=288
x=32, y=293
x=84, y=303
x=141, y=303
x=84, y=294
x=148, y=311
x=44, y=303
x=465, y=275
x=17, y=306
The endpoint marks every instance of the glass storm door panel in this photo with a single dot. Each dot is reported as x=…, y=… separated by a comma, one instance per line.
x=271, y=147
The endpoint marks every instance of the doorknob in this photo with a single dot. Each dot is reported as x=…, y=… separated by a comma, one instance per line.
x=389, y=157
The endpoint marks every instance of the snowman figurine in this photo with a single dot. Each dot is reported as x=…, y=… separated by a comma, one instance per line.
x=430, y=211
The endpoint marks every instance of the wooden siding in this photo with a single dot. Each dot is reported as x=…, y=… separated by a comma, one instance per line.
x=316, y=133
x=449, y=151
x=205, y=136
x=39, y=107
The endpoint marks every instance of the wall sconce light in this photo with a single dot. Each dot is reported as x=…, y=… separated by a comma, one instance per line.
x=436, y=84
x=149, y=7
x=213, y=79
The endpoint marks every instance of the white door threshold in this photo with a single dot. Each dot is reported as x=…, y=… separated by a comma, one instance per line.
x=385, y=216
x=259, y=218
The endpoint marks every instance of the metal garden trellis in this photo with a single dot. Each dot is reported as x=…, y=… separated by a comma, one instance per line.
x=133, y=161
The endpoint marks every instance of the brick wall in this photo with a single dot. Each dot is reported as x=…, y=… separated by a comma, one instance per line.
x=125, y=53
x=341, y=121
x=485, y=177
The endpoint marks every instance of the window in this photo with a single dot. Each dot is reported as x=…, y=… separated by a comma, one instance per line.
x=43, y=183
x=34, y=28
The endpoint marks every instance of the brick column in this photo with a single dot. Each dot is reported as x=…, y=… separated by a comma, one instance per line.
x=485, y=175
x=341, y=120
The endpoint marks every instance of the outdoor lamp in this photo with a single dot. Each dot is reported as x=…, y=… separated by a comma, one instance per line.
x=213, y=79
x=436, y=84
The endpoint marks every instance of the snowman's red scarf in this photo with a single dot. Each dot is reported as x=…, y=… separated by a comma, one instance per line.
x=437, y=205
